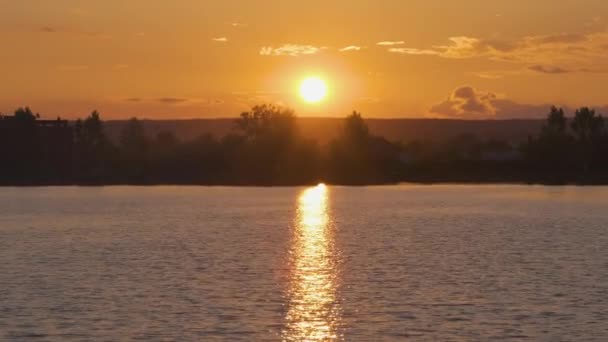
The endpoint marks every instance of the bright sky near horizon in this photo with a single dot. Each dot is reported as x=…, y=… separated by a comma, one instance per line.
x=385, y=58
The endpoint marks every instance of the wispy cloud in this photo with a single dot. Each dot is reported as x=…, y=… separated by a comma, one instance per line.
x=487, y=76
x=350, y=48
x=220, y=39
x=172, y=100
x=413, y=51
x=71, y=31
x=390, y=43
x=177, y=101
x=568, y=50
x=293, y=50
x=548, y=69
x=48, y=29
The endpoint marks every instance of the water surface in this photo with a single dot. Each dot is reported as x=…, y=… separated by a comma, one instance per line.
x=421, y=263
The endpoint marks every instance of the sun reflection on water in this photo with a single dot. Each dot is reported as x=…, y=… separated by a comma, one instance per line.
x=313, y=312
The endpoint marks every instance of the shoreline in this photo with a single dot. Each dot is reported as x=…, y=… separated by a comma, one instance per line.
x=254, y=185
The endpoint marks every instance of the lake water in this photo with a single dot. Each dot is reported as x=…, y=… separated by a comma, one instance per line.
x=408, y=262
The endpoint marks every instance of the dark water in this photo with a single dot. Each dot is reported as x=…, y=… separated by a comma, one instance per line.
x=419, y=263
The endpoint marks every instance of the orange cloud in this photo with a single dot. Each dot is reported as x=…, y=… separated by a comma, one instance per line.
x=292, y=50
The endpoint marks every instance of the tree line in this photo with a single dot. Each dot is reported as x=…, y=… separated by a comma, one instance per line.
x=267, y=148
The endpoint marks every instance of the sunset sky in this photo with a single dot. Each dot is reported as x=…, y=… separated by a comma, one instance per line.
x=386, y=58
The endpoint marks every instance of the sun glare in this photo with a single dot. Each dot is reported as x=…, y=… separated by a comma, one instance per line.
x=313, y=89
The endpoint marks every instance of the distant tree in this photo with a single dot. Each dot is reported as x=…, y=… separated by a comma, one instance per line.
x=270, y=135
x=589, y=129
x=355, y=129
x=556, y=122
x=25, y=155
x=460, y=147
x=92, y=149
x=133, y=138
x=25, y=115
x=587, y=124
x=166, y=139
x=358, y=157
x=134, y=147
x=90, y=133
x=552, y=155
x=267, y=122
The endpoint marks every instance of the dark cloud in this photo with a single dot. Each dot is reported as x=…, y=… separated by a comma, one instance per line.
x=469, y=103
x=134, y=99
x=48, y=29
x=73, y=31
x=172, y=100
x=549, y=69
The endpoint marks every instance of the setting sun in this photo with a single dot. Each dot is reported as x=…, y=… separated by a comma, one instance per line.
x=313, y=89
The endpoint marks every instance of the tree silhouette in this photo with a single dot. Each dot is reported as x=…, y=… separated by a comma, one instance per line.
x=270, y=135
x=358, y=157
x=556, y=122
x=266, y=148
x=133, y=139
x=267, y=122
x=355, y=129
x=134, y=151
x=25, y=153
x=25, y=115
x=552, y=155
x=93, y=149
x=587, y=125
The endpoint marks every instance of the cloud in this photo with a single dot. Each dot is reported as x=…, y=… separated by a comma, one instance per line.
x=554, y=69
x=411, y=51
x=489, y=75
x=573, y=52
x=548, y=69
x=48, y=29
x=205, y=102
x=562, y=38
x=77, y=32
x=220, y=39
x=390, y=43
x=350, y=48
x=463, y=47
x=469, y=103
x=238, y=24
x=172, y=100
x=293, y=50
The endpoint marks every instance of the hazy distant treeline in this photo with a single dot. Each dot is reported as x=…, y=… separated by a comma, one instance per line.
x=267, y=148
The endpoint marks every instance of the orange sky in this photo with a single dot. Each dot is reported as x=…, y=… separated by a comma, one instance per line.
x=386, y=58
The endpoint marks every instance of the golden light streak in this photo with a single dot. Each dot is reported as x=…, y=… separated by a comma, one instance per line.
x=313, y=313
